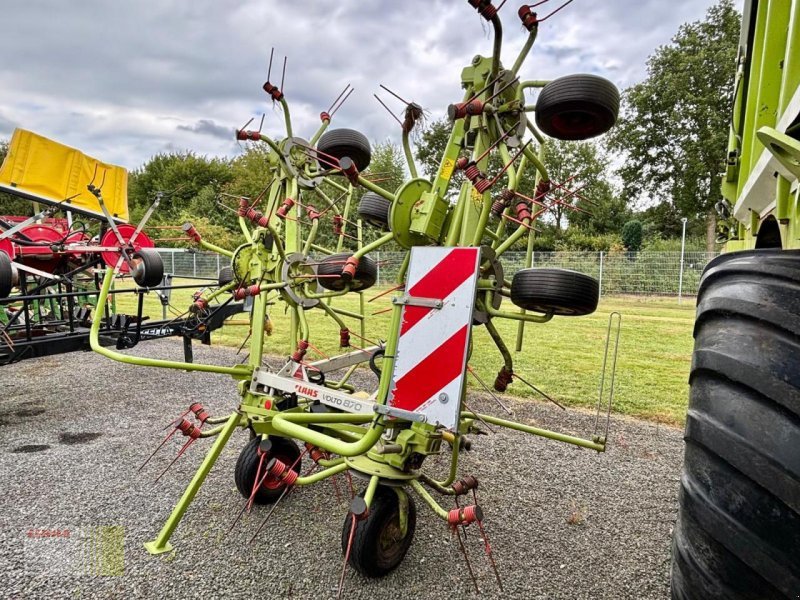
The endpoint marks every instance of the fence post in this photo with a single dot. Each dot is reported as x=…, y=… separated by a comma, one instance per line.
x=683, y=246
x=600, y=279
x=194, y=264
x=172, y=254
x=218, y=267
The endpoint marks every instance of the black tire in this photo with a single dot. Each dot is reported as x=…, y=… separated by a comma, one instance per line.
x=738, y=529
x=374, y=209
x=577, y=107
x=560, y=291
x=247, y=468
x=365, y=277
x=149, y=272
x=377, y=548
x=6, y=275
x=226, y=276
x=345, y=142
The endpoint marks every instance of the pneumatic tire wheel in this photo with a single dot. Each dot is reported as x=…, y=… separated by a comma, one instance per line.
x=6, y=275
x=738, y=529
x=379, y=545
x=558, y=291
x=331, y=268
x=374, y=209
x=283, y=449
x=148, y=270
x=577, y=107
x=345, y=142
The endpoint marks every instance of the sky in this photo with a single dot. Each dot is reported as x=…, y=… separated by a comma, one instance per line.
x=123, y=81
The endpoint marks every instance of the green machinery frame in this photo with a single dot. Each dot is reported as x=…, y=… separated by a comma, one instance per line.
x=763, y=159
x=274, y=262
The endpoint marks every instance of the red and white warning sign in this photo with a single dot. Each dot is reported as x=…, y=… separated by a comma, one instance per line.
x=435, y=330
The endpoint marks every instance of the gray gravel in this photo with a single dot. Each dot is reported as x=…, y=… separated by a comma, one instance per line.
x=563, y=522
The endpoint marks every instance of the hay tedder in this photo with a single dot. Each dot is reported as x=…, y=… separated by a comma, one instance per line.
x=451, y=281
x=50, y=266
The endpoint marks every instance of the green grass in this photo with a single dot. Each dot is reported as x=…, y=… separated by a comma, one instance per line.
x=562, y=357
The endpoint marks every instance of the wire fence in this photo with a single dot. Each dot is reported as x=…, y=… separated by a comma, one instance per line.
x=635, y=273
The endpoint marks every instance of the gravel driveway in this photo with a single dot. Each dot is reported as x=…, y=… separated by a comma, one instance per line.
x=563, y=522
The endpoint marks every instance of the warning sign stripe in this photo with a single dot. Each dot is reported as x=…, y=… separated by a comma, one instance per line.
x=432, y=374
x=438, y=283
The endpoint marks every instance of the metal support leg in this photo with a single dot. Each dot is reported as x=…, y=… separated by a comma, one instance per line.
x=161, y=543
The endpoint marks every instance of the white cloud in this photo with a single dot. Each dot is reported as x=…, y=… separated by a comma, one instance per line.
x=123, y=81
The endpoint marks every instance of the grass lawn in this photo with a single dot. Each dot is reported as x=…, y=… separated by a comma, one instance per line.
x=562, y=357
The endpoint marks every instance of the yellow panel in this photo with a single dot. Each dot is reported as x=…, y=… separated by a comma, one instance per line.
x=55, y=172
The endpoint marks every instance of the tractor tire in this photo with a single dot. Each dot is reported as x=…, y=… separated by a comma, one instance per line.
x=577, y=107
x=559, y=291
x=374, y=209
x=345, y=142
x=377, y=547
x=283, y=449
x=6, y=275
x=226, y=276
x=149, y=272
x=365, y=277
x=738, y=528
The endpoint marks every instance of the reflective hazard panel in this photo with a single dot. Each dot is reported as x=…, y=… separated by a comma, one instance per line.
x=431, y=355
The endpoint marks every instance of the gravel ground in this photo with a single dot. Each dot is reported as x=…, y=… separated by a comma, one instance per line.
x=563, y=522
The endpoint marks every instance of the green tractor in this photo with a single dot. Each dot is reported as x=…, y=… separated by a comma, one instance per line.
x=738, y=529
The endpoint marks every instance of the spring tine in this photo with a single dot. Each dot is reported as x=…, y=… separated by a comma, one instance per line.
x=347, y=556
x=478, y=417
x=180, y=452
x=613, y=370
x=269, y=514
x=491, y=393
x=343, y=101
x=176, y=421
x=406, y=102
x=489, y=553
x=388, y=110
x=269, y=70
x=466, y=559
x=283, y=75
x=538, y=391
x=166, y=439
x=337, y=98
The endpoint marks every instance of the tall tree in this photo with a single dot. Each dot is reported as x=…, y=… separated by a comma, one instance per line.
x=674, y=127
x=581, y=166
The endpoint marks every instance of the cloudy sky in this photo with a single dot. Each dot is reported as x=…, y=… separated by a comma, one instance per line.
x=125, y=80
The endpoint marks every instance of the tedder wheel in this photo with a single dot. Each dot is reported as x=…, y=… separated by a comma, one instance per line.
x=577, y=107
x=374, y=209
x=6, y=275
x=149, y=270
x=225, y=277
x=365, y=277
x=738, y=529
x=283, y=449
x=378, y=543
x=345, y=142
x=560, y=291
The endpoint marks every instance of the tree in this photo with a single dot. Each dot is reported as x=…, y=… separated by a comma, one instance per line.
x=633, y=235
x=12, y=205
x=674, y=127
x=191, y=183
x=581, y=166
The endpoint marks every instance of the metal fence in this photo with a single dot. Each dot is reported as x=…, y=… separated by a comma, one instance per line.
x=637, y=273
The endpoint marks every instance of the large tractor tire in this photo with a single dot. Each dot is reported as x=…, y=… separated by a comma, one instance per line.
x=738, y=529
